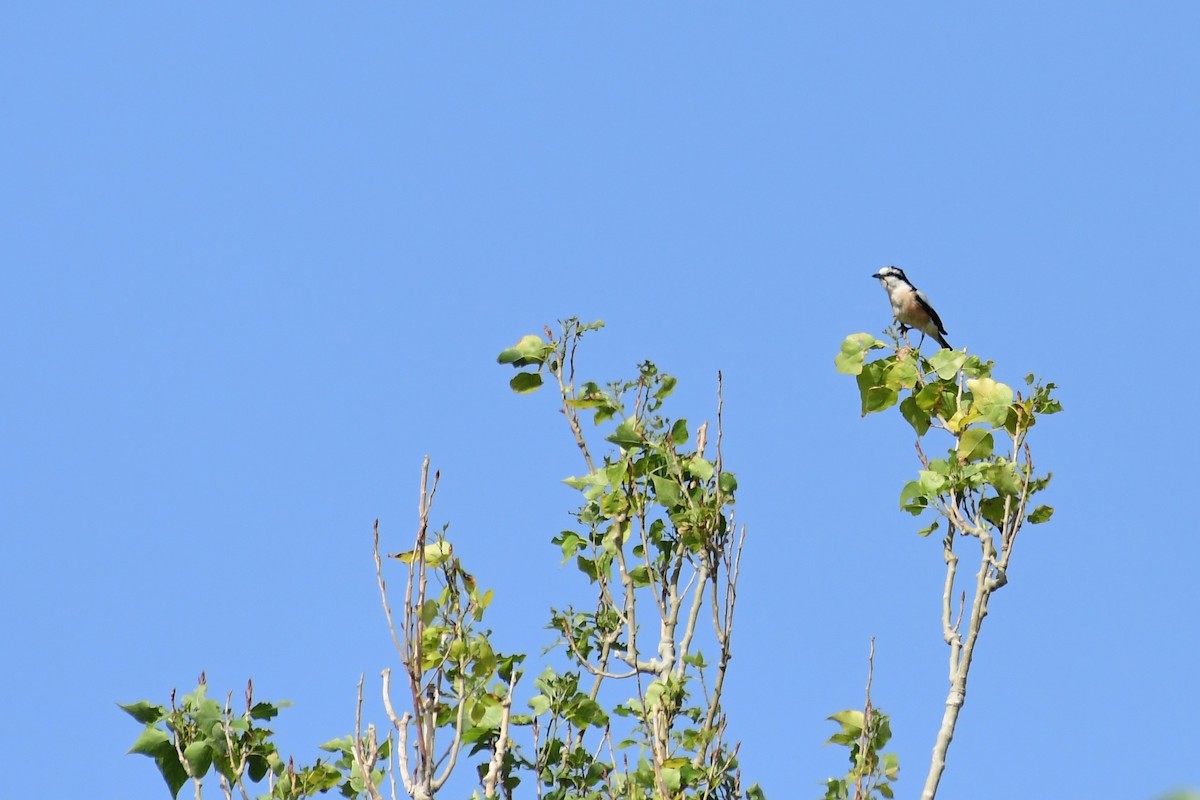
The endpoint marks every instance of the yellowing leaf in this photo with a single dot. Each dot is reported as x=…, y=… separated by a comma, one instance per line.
x=991, y=399
x=436, y=554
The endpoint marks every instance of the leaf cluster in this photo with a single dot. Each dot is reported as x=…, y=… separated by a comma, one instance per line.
x=461, y=689
x=198, y=736
x=872, y=771
x=955, y=392
x=654, y=536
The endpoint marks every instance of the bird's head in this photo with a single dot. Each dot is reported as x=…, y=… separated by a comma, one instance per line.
x=890, y=276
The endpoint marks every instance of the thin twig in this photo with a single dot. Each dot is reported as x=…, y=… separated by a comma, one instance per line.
x=365, y=753
x=864, y=736
x=566, y=387
x=387, y=609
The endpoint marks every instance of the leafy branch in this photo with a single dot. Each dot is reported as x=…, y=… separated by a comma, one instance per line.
x=865, y=733
x=458, y=687
x=981, y=488
x=656, y=537
x=198, y=735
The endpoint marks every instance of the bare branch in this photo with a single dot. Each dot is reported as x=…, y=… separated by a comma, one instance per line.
x=689, y=628
x=962, y=648
x=865, y=733
x=366, y=753
x=451, y=755
x=387, y=609
x=949, y=631
x=493, y=773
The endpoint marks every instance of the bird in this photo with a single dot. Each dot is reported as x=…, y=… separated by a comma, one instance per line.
x=911, y=307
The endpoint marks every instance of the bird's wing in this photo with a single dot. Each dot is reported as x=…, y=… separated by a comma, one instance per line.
x=933, y=315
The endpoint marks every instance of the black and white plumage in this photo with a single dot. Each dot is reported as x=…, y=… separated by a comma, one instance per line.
x=910, y=306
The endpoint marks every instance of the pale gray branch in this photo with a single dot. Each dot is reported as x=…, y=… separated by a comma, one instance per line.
x=497, y=761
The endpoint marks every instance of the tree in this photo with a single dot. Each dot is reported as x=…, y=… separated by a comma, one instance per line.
x=633, y=708
x=636, y=713
x=656, y=538
x=981, y=488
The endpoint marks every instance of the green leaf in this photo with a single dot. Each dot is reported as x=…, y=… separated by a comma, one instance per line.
x=585, y=401
x=975, y=444
x=615, y=505
x=928, y=529
x=727, y=482
x=666, y=490
x=991, y=399
x=199, y=757
x=928, y=397
x=585, y=711
x=1004, y=477
x=849, y=361
x=902, y=375
x=1020, y=416
x=540, y=704
x=973, y=367
x=851, y=721
x=615, y=473
x=875, y=395
x=992, y=509
x=1041, y=514
x=679, y=432
x=640, y=575
x=525, y=382
x=1048, y=406
x=880, y=398
x=698, y=467
x=591, y=480
x=626, y=436
x=144, y=712
x=172, y=770
x=588, y=567
x=911, y=411
x=570, y=542
x=1038, y=484
x=489, y=712
x=344, y=745
x=266, y=710
x=436, y=554
x=932, y=480
x=947, y=363
x=257, y=767
x=913, y=498
x=529, y=350
x=151, y=742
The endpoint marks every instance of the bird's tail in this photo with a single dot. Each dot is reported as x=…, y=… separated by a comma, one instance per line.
x=942, y=341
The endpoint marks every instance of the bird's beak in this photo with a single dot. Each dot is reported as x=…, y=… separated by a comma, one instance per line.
x=876, y=275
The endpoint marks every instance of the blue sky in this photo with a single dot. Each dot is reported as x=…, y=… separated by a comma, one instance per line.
x=259, y=260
